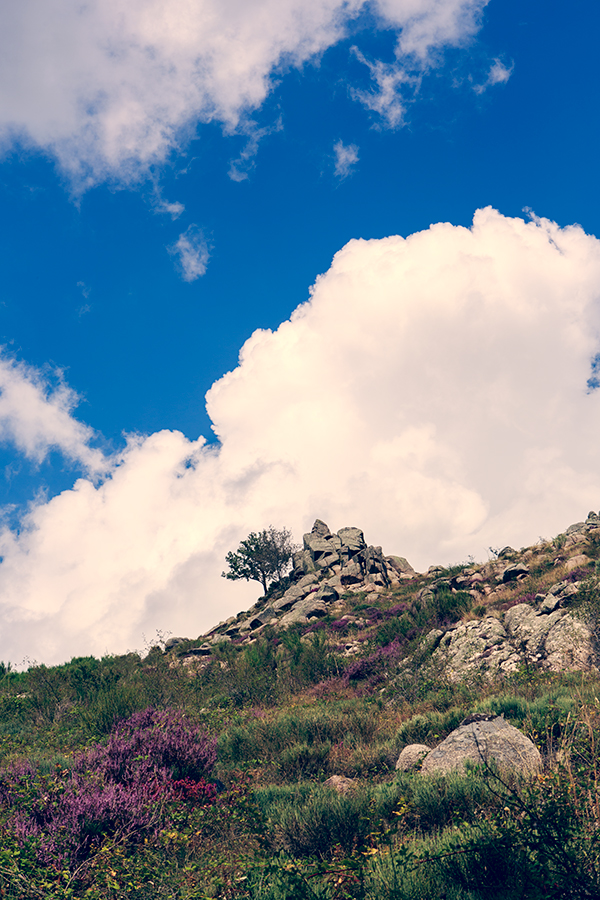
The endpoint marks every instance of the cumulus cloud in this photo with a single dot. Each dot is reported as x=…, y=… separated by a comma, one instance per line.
x=345, y=158
x=433, y=391
x=111, y=88
x=37, y=417
x=192, y=253
x=498, y=74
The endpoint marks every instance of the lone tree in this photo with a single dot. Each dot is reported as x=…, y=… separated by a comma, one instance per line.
x=264, y=556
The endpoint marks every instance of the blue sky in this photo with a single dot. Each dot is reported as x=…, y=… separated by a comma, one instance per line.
x=489, y=105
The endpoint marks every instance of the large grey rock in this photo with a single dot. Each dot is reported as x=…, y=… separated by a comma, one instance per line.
x=321, y=528
x=552, y=641
x=528, y=631
x=263, y=617
x=317, y=546
x=326, y=593
x=298, y=591
x=569, y=646
x=563, y=589
x=352, y=539
x=309, y=608
x=484, y=743
x=411, y=757
x=557, y=641
x=513, y=572
x=369, y=567
x=352, y=573
x=478, y=647
x=579, y=561
x=174, y=642
x=322, y=545
x=401, y=565
x=548, y=604
x=303, y=564
x=559, y=595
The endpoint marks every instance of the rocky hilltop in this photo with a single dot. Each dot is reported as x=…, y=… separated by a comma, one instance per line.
x=527, y=608
x=363, y=731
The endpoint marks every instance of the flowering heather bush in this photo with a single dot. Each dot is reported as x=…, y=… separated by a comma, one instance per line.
x=524, y=598
x=153, y=745
x=116, y=790
x=396, y=610
x=339, y=625
x=577, y=575
x=373, y=613
x=319, y=625
x=370, y=666
x=16, y=781
x=200, y=792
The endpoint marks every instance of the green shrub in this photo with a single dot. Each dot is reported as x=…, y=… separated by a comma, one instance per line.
x=431, y=727
x=267, y=737
x=436, y=802
x=303, y=759
x=314, y=820
x=308, y=660
x=449, y=607
x=397, y=627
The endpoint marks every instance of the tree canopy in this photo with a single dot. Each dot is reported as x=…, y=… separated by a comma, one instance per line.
x=263, y=556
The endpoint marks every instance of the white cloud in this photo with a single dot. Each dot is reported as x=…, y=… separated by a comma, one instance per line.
x=110, y=88
x=428, y=27
x=498, y=74
x=240, y=167
x=387, y=96
x=173, y=209
x=192, y=252
x=37, y=418
x=346, y=157
x=432, y=391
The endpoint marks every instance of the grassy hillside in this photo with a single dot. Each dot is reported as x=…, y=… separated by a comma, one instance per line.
x=196, y=775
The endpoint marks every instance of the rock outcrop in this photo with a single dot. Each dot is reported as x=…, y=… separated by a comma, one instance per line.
x=329, y=565
x=347, y=555
x=489, y=620
x=546, y=637
x=488, y=742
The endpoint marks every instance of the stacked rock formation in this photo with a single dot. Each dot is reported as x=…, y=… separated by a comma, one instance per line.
x=327, y=566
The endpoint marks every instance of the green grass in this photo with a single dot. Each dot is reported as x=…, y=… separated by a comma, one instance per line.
x=286, y=719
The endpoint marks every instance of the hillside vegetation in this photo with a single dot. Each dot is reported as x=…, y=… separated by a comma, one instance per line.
x=205, y=769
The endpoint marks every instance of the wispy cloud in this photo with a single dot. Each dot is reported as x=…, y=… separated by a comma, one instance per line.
x=240, y=167
x=386, y=97
x=345, y=159
x=85, y=290
x=192, y=252
x=170, y=209
x=131, y=81
x=499, y=74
